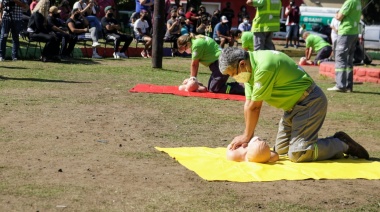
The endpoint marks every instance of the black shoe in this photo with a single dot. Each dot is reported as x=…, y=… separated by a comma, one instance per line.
x=354, y=149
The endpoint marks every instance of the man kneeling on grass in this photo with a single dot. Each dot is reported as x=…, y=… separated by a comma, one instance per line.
x=283, y=84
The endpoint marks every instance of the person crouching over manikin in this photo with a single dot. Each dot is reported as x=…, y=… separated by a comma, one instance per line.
x=256, y=150
x=192, y=85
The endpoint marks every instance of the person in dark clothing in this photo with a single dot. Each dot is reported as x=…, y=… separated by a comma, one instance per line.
x=111, y=28
x=40, y=29
x=67, y=41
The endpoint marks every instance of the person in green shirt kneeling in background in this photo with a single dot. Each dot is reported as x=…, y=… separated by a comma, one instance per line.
x=275, y=78
x=206, y=51
x=319, y=45
x=246, y=39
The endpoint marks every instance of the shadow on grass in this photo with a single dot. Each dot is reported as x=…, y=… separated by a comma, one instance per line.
x=374, y=159
x=365, y=92
x=9, y=67
x=38, y=80
x=87, y=61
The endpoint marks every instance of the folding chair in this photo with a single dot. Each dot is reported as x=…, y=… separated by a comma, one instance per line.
x=37, y=43
x=84, y=38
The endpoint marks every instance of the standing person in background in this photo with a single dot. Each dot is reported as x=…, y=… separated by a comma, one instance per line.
x=15, y=27
x=215, y=19
x=334, y=34
x=229, y=13
x=349, y=17
x=266, y=21
x=242, y=14
x=292, y=24
x=206, y=51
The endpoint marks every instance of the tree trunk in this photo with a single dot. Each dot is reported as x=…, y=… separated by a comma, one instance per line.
x=158, y=33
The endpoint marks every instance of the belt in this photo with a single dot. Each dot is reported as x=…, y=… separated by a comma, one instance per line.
x=304, y=95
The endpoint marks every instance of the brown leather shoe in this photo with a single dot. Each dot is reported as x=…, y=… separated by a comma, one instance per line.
x=354, y=149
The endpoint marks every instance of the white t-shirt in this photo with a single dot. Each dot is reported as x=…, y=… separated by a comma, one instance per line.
x=82, y=6
x=334, y=23
x=143, y=25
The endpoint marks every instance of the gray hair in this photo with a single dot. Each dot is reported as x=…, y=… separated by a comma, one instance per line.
x=230, y=57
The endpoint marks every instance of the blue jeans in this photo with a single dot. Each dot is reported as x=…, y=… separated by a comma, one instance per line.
x=15, y=29
x=94, y=22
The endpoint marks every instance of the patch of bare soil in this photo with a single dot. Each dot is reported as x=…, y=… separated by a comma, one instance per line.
x=90, y=147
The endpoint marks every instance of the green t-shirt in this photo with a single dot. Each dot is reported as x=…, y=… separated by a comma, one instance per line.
x=316, y=42
x=206, y=50
x=279, y=81
x=352, y=10
x=247, y=40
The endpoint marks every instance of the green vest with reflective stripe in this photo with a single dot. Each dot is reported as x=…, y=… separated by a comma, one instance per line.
x=267, y=17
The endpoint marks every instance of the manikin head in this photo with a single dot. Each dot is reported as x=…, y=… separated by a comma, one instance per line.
x=258, y=151
x=302, y=61
x=190, y=85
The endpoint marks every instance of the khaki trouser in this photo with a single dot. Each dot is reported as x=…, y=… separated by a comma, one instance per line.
x=298, y=131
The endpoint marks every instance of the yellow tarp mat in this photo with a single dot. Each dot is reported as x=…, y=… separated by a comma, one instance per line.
x=211, y=164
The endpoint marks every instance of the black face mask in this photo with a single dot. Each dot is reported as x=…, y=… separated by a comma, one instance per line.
x=56, y=15
x=174, y=16
x=76, y=16
x=110, y=15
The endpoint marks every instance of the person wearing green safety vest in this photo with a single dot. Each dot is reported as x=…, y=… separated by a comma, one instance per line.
x=204, y=50
x=349, y=17
x=281, y=83
x=266, y=21
x=246, y=39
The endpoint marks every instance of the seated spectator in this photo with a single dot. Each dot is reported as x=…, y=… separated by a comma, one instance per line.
x=89, y=11
x=65, y=9
x=185, y=28
x=140, y=29
x=134, y=17
x=181, y=11
x=67, y=41
x=203, y=16
x=173, y=30
x=246, y=39
x=204, y=27
x=38, y=29
x=33, y=5
x=111, y=28
x=245, y=26
x=78, y=25
x=222, y=33
x=319, y=45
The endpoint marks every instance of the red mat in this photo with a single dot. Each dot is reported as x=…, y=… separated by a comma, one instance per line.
x=161, y=89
